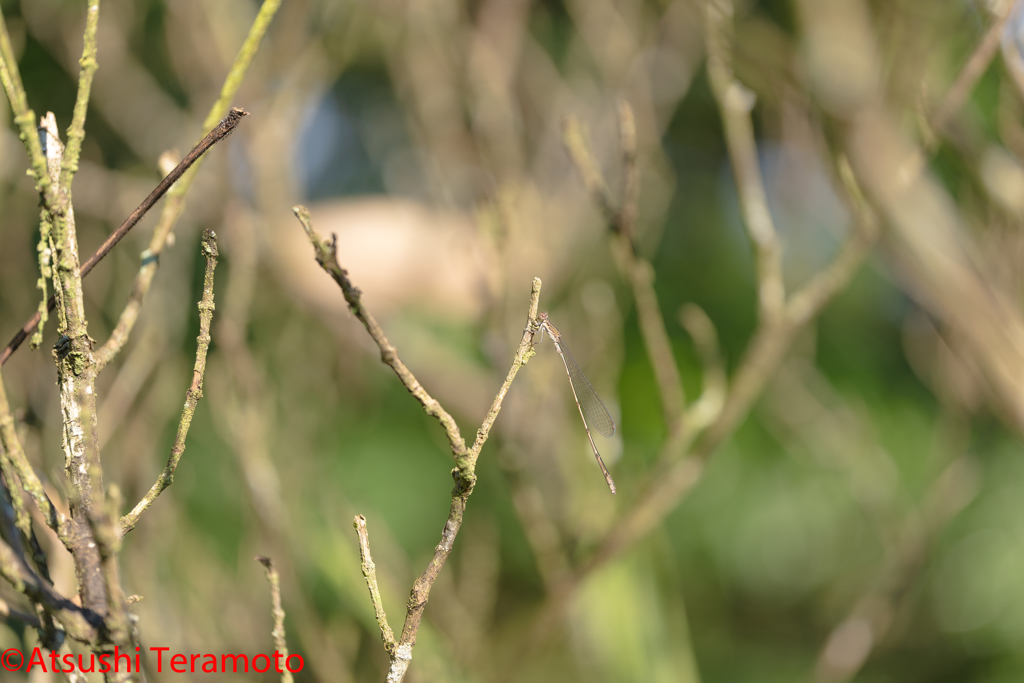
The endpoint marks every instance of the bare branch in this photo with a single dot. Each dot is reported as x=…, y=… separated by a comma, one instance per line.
x=79, y=623
x=25, y=618
x=820, y=289
x=370, y=574
x=465, y=472
x=76, y=132
x=523, y=356
x=637, y=271
x=735, y=102
x=14, y=452
x=577, y=143
x=130, y=314
x=630, y=208
x=280, y=642
x=177, y=188
x=327, y=257
x=195, y=390
x=972, y=70
x=709, y=404
x=869, y=621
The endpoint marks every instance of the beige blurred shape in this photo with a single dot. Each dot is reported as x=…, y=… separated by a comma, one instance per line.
x=401, y=253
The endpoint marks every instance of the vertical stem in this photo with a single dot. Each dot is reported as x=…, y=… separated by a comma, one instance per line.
x=76, y=377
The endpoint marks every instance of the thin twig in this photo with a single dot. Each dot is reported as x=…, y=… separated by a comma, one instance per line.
x=715, y=382
x=523, y=356
x=126, y=321
x=822, y=287
x=25, y=118
x=76, y=131
x=972, y=70
x=45, y=185
x=639, y=273
x=24, y=617
x=195, y=390
x=370, y=574
x=577, y=143
x=280, y=641
x=30, y=483
x=326, y=256
x=79, y=623
x=175, y=199
x=16, y=527
x=735, y=102
x=629, y=210
x=846, y=649
x=763, y=354
x=1012, y=58
x=680, y=474
x=219, y=132
x=178, y=187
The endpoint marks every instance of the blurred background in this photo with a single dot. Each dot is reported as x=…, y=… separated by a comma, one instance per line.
x=862, y=523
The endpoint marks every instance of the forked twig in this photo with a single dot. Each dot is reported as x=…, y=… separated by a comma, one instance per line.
x=464, y=474
x=622, y=222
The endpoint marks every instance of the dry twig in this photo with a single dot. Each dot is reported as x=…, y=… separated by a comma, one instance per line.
x=280, y=641
x=195, y=390
x=464, y=473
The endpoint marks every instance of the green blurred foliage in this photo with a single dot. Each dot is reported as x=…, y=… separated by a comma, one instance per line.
x=814, y=503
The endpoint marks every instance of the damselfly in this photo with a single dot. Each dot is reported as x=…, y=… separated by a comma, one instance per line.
x=591, y=407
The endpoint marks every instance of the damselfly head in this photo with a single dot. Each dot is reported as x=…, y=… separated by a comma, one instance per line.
x=542, y=318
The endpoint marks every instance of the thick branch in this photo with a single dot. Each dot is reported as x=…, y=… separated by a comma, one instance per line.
x=76, y=379
x=105, y=527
